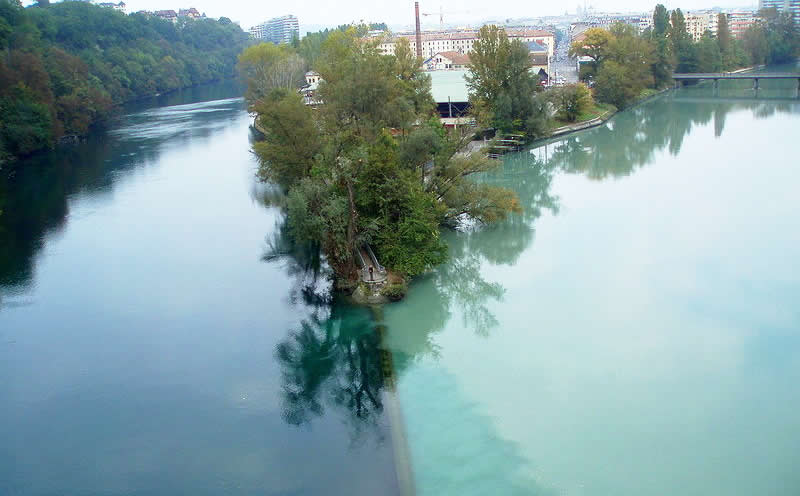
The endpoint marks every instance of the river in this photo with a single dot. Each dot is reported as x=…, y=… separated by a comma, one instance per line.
x=635, y=331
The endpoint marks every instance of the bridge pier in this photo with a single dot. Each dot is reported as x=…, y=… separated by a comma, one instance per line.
x=755, y=84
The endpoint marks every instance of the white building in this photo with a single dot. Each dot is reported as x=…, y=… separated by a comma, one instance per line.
x=444, y=61
x=461, y=41
x=697, y=23
x=120, y=7
x=277, y=30
x=792, y=7
x=312, y=77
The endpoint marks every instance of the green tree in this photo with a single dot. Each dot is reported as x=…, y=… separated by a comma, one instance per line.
x=627, y=69
x=755, y=43
x=266, y=67
x=663, y=62
x=594, y=45
x=370, y=165
x=80, y=60
x=660, y=21
x=501, y=85
x=725, y=42
x=681, y=43
x=783, y=37
x=572, y=101
x=288, y=155
x=25, y=124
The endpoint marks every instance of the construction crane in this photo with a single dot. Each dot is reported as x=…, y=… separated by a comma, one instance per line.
x=441, y=14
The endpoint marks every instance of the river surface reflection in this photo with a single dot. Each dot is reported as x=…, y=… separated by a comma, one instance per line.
x=146, y=345
x=637, y=330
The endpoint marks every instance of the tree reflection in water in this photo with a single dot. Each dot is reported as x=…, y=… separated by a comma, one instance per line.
x=334, y=361
x=334, y=358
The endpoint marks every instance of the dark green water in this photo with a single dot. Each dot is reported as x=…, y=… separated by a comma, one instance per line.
x=146, y=348
x=634, y=332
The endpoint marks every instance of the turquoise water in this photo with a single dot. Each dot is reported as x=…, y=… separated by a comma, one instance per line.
x=636, y=331
x=633, y=332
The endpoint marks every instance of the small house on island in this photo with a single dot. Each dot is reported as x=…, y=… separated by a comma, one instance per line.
x=444, y=61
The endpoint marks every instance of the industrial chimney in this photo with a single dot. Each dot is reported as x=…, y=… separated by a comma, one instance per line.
x=419, y=35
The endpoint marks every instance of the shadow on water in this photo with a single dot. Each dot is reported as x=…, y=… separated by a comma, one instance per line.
x=36, y=193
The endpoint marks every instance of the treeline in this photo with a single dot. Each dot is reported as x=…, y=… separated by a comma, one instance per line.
x=372, y=163
x=63, y=67
x=624, y=64
x=310, y=47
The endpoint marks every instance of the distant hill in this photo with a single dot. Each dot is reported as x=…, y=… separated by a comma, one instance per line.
x=65, y=66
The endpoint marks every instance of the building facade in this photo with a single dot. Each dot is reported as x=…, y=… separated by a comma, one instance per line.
x=444, y=61
x=119, y=7
x=277, y=30
x=461, y=41
x=739, y=22
x=698, y=23
x=169, y=15
x=792, y=7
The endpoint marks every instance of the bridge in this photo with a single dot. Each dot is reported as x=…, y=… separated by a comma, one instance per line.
x=717, y=76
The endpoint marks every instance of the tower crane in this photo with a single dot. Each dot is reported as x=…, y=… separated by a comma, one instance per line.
x=441, y=14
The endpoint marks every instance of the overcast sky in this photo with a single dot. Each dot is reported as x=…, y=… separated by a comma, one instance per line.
x=314, y=13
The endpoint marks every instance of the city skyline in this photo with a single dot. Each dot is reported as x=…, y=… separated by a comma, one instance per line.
x=318, y=14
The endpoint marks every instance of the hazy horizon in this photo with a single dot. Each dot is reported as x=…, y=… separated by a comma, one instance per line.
x=323, y=14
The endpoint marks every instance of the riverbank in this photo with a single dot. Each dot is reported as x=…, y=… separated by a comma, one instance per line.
x=646, y=95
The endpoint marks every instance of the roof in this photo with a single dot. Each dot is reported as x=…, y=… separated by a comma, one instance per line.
x=455, y=57
x=473, y=34
x=534, y=47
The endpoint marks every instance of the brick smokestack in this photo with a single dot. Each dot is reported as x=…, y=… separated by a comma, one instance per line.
x=419, y=35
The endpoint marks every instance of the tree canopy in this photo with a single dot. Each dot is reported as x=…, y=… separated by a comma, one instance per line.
x=371, y=163
x=501, y=85
x=624, y=63
x=64, y=66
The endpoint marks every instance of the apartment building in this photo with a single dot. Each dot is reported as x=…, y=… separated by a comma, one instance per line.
x=697, y=23
x=461, y=41
x=277, y=30
x=740, y=21
x=790, y=6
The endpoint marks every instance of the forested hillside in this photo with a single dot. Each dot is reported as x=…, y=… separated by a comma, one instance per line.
x=64, y=66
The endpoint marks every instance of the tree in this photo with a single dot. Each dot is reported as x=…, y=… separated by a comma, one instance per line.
x=572, y=101
x=614, y=86
x=80, y=60
x=755, y=43
x=288, y=155
x=26, y=124
x=267, y=67
x=681, y=43
x=783, y=38
x=660, y=21
x=370, y=165
x=594, y=45
x=627, y=68
x=725, y=41
x=501, y=85
x=664, y=60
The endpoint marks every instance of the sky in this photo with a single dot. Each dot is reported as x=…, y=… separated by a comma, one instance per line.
x=315, y=14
